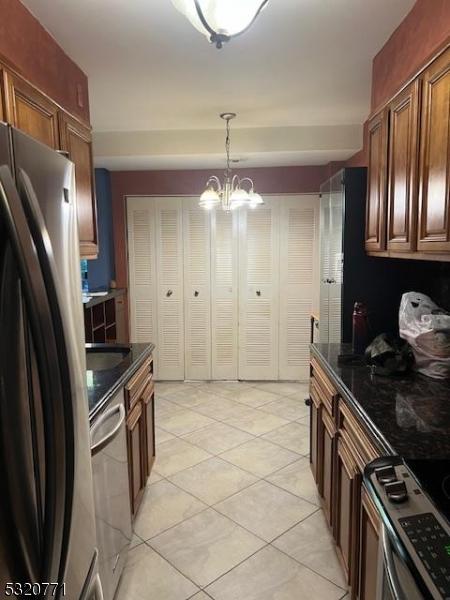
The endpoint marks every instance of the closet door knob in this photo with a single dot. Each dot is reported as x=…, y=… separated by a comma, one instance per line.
x=258, y=292
x=169, y=293
x=196, y=293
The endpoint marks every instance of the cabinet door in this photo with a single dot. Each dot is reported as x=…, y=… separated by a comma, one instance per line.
x=224, y=294
x=136, y=455
x=259, y=292
x=2, y=95
x=434, y=172
x=77, y=141
x=327, y=453
x=149, y=408
x=368, y=548
x=197, y=290
x=142, y=269
x=121, y=320
x=169, y=272
x=376, y=207
x=403, y=169
x=297, y=250
x=315, y=442
x=348, y=483
x=30, y=111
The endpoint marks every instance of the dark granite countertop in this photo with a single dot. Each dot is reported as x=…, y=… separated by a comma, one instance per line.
x=103, y=384
x=407, y=415
x=113, y=293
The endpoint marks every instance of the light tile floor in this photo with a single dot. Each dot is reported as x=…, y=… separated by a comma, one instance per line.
x=231, y=510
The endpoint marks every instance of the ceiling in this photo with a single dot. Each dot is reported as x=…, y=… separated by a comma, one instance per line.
x=304, y=65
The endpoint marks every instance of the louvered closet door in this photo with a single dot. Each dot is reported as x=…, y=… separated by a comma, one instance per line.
x=142, y=271
x=297, y=246
x=224, y=296
x=258, y=292
x=197, y=290
x=169, y=272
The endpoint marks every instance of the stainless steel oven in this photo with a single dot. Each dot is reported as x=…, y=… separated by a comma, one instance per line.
x=111, y=492
x=414, y=547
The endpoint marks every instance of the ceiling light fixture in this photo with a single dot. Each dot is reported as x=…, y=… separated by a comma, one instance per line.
x=220, y=20
x=230, y=194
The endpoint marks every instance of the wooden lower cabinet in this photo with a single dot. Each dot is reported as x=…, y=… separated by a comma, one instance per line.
x=340, y=449
x=369, y=526
x=137, y=468
x=140, y=408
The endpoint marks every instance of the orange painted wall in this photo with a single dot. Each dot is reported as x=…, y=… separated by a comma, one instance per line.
x=27, y=46
x=420, y=36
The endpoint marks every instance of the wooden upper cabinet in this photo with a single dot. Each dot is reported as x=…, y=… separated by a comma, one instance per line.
x=377, y=182
x=403, y=169
x=434, y=185
x=30, y=111
x=77, y=141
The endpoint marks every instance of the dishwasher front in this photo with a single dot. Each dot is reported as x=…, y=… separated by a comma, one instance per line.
x=111, y=492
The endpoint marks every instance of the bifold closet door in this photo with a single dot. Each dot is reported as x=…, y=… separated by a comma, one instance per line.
x=197, y=290
x=142, y=269
x=259, y=291
x=224, y=295
x=297, y=247
x=170, y=293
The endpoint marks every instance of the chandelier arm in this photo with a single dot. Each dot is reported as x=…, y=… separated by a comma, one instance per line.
x=250, y=181
x=263, y=4
x=216, y=180
x=235, y=182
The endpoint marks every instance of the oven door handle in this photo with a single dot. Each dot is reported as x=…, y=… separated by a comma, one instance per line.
x=108, y=438
x=389, y=566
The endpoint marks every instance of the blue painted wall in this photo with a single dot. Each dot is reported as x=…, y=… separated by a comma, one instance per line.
x=102, y=269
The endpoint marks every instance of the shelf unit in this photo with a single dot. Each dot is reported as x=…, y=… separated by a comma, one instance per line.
x=100, y=322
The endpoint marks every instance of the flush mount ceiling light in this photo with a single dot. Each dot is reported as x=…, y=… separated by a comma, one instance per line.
x=231, y=193
x=220, y=20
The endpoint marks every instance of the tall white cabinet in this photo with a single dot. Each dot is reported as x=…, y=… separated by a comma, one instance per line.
x=225, y=295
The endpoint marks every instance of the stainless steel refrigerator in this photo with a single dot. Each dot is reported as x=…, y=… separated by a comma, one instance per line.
x=47, y=521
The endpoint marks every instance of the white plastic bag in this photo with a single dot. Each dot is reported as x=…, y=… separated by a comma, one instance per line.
x=426, y=328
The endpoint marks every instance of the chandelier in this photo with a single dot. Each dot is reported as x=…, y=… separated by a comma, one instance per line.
x=220, y=20
x=231, y=193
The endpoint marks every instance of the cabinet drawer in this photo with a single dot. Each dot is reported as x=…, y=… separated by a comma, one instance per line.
x=319, y=397
x=355, y=436
x=322, y=387
x=138, y=383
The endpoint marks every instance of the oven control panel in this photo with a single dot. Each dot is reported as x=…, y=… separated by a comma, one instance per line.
x=414, y=521
x=432, y=544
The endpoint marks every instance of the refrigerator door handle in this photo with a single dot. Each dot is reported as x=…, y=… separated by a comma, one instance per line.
x=109, y=437
x=31, y=247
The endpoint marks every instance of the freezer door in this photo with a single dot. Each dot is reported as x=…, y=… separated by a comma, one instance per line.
x=53, y=536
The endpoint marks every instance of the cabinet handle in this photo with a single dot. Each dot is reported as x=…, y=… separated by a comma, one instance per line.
x=196, y=293
x=169, y=293
x=258, y=292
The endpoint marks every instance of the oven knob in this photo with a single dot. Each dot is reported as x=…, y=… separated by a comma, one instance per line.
x=385, y=474
x=396, y=491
